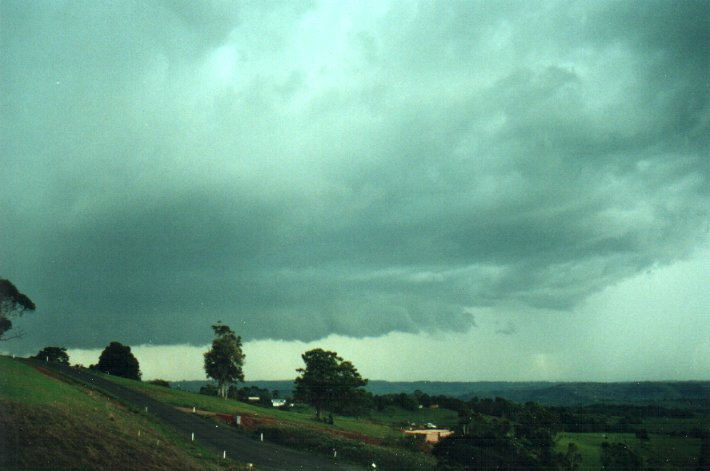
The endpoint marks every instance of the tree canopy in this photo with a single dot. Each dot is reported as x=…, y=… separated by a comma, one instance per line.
x=54, y=355
x=224, y=361
x=13, y=303
x=117, y=359
x=328, y=382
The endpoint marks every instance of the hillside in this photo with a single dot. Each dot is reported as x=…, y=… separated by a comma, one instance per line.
x=46, y=423
x=667, y=393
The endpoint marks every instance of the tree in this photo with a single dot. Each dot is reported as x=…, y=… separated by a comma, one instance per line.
x=327, y=382
x=572, y=459
x=224, y=361
x=117, y=359
x=12, y=304
x=53, y=354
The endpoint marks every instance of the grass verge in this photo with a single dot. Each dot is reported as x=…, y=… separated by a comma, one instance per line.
x=48, y=424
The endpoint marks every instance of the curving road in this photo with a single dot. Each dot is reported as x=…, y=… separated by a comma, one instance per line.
x=263, y=455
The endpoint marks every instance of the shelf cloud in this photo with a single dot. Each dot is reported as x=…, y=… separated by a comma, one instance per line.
x=300, y=171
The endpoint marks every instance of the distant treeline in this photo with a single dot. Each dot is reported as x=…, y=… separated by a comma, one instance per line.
x=685, y=394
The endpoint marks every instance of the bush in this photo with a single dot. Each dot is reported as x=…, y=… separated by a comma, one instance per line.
x=160, y=382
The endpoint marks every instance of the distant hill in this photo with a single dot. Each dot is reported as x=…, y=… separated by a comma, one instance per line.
x=545, y=393
x=433, y=388
x=571, y=394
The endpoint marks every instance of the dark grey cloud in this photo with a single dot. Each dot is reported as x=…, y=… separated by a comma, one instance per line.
x=302, y=170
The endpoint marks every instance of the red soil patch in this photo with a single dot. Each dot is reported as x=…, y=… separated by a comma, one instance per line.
x=252, y=422
x=45, y=372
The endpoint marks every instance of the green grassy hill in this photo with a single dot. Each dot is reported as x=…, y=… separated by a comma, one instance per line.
x=376, y=438
x=46, y=423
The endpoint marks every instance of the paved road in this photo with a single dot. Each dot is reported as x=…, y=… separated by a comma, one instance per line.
x=263, y=455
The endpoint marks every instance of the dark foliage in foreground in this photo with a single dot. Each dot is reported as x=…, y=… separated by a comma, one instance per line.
x=117, y=359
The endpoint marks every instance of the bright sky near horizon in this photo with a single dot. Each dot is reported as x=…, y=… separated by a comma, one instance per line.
x=498, y=190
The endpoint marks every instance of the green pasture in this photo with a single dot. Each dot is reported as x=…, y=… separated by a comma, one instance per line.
x=396, y=417
x=660, y=451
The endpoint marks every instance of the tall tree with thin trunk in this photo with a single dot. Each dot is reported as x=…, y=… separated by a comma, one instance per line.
x=13, y=303
x=224, y=361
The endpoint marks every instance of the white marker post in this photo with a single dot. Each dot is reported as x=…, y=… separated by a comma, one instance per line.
x=193, y=437
x=224, y=455
x=262, y=437
x=193, y=409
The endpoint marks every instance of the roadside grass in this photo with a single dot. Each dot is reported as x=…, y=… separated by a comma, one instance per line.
x=49, y=424
x=303, y=416
x=375, y=439
x=660, y=452
x=386, y=456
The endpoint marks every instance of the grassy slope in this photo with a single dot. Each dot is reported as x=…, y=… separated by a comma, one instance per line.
x=353, y=437
x=380, y=426
x=48, y=424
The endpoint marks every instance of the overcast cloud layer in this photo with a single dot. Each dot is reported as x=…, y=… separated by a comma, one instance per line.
x=304, y=169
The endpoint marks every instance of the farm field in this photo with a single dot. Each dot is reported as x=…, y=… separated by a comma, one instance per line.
x=659, y=451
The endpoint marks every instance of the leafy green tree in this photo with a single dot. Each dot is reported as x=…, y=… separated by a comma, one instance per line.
x=224, y=361
x=328, y=382
x=53, y=354
x=13, y=303
x=117, y=359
